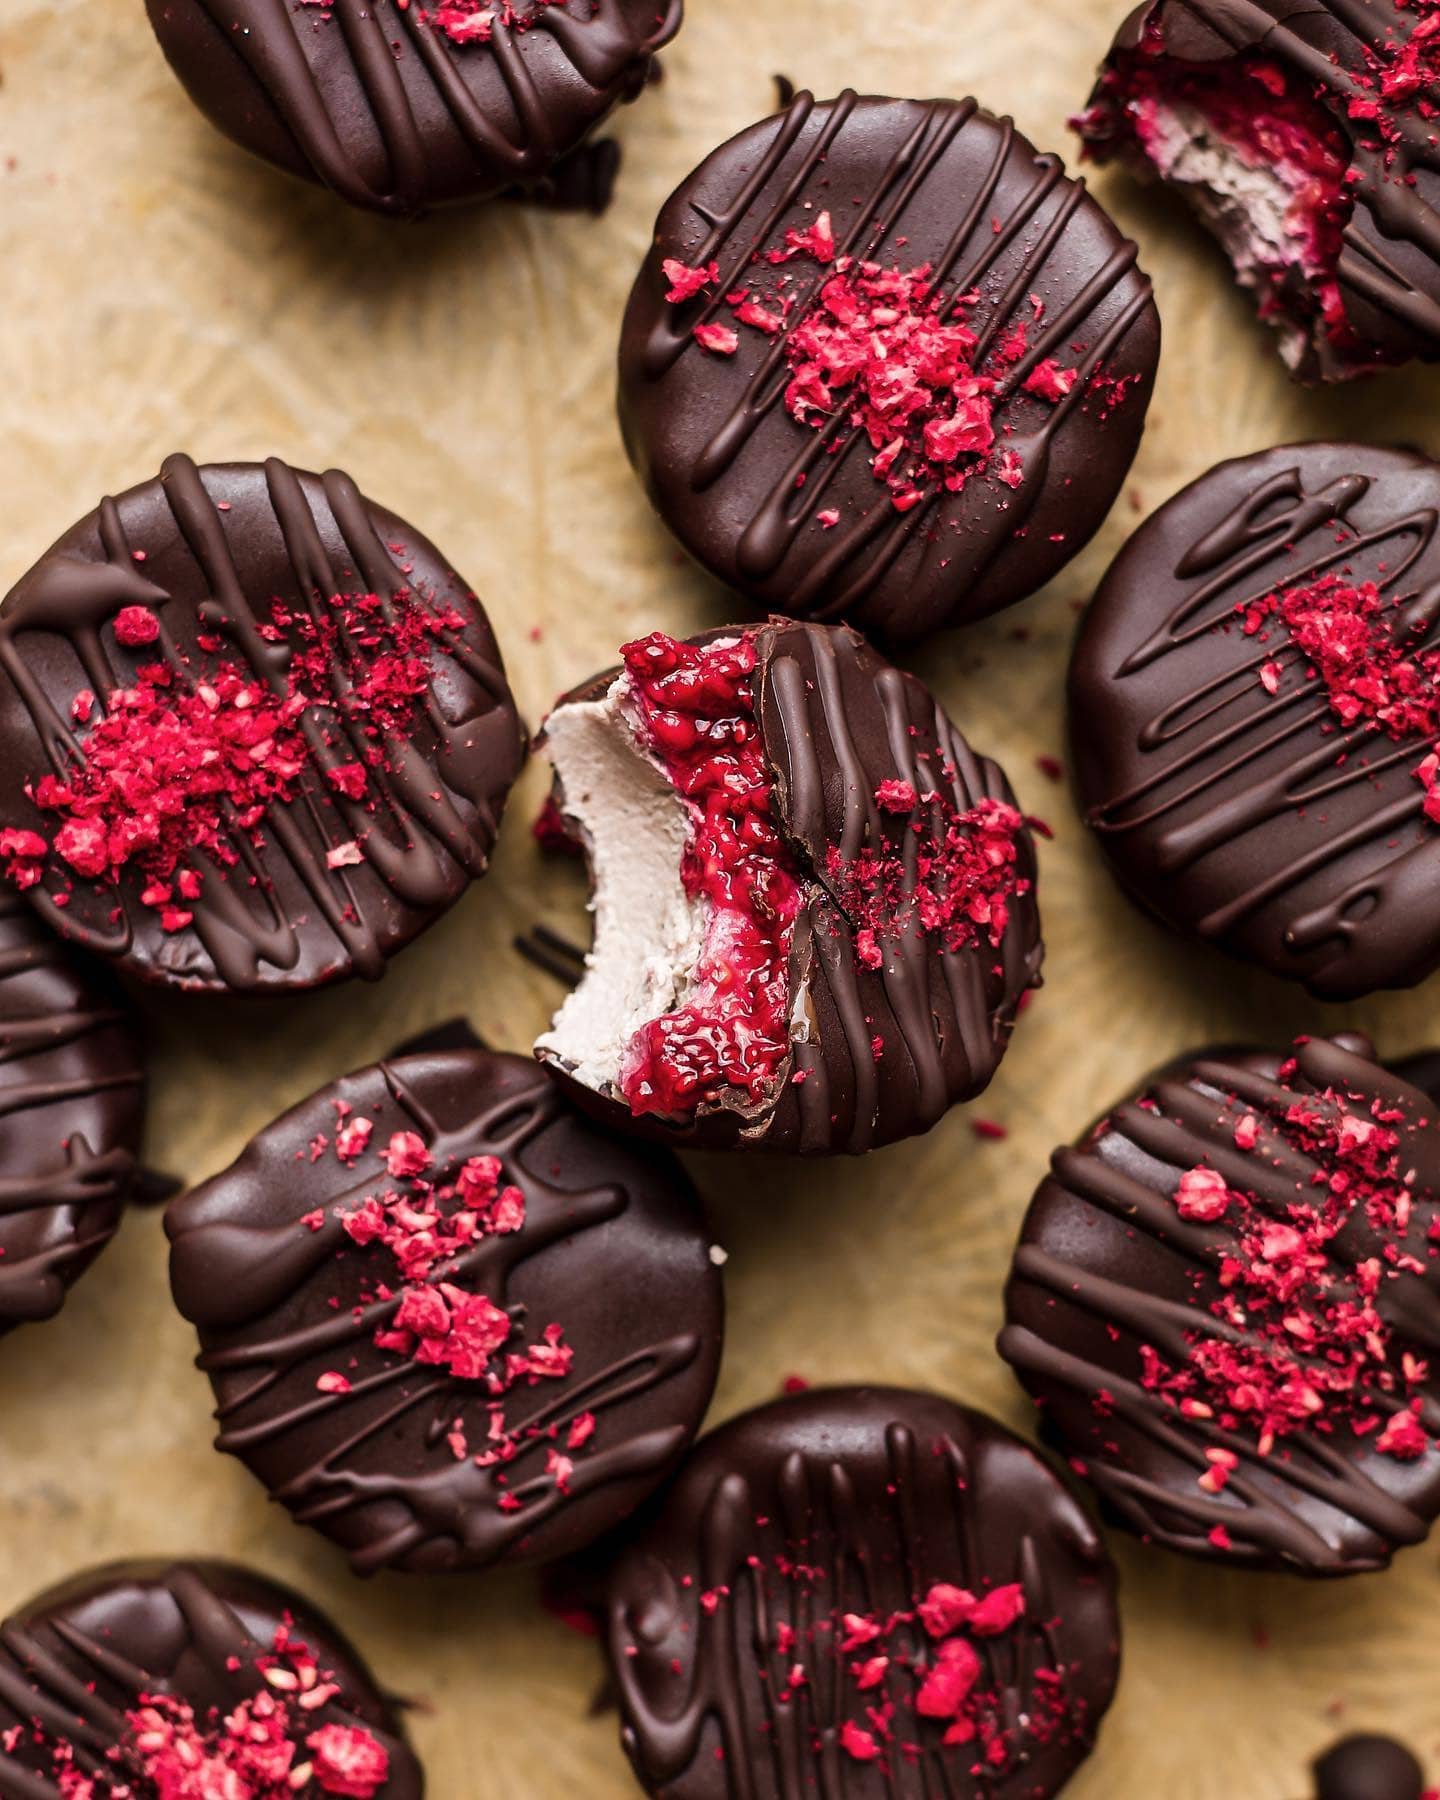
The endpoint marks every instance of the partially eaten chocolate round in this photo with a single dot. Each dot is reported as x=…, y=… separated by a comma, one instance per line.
x=1224, y=1301
x=148, y=1679
x=255, y=732
x=399, y=106
x=1304, y=137
x=447, y=1320
x=815, y=913
x=866, y=1594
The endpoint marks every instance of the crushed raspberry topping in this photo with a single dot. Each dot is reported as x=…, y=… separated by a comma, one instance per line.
x=428, y=1221
x=884, y=351
x=1303, y=1345
x=183, y=764
x=694, y=710
x=928, y=1668
x=1346, y=633
x=951, y=874
x=267, y=1747
x=467, y=22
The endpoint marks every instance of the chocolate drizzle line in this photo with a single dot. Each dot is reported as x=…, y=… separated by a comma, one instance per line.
x=1225, y=759
x=1308, y=1504
x=414, y=839
x=64, y=1173
x=945, y=1015
x=453, y=1500
x=847, y=569
x=869, y=1528
x=77, y=1685
x=600, y=45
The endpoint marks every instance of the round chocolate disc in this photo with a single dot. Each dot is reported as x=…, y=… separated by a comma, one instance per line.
x=254, y=731
x=142, y=1678
x=72, y=1100
x=1368, y=1768
x=400, y=107
x=863, y=1592
x=1253, y=710
x=814, y=902
x=447, y=1321
x=1224, y=1303
x=1304, y=137
x=885, y=362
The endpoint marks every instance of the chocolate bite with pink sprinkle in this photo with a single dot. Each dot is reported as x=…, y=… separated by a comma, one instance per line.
x=1226, y=1303
x=1306, y=140
x=147, y=1681
x=815, y=914
x=865, y=1593
x=885, y=362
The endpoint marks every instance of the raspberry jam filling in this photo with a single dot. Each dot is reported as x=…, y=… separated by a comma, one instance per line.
x=1346, y=635
x=1300, y=1343
x=268, y=1747
x=1272, y=164
x=694, y=710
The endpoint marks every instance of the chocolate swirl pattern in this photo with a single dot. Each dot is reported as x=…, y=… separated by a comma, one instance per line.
x=1336, y=53
x=72, y=1091
x=750, y=493
x=377, y=101
x=612, y=1249
x=1106, y=1264
x=210, y=553
x=795, y=1519
x=74, y=1661
x=1253, y=820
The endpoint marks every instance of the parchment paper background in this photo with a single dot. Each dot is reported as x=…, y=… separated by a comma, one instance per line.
x=159, y=291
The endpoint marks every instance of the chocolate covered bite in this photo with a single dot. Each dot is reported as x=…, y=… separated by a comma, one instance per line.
x=255, y=733
x=72, y=1102
x=862, y=1592
x=403, y=107
x=448, y=1322
x=1224, y=1304
x=886, y=363
x=149, y=1680
x=1305, y=140
x=1254, y=714
x=814, y=904
x=1367, y=1767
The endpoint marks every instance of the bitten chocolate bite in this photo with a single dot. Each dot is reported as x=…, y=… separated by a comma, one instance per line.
x=72, y=1103
x=447, y=1321
x=815, y=914
x=886, y=363
x=255, y=733
x=862, y=1592
x=1224, y=1304
x=1305, y=140
x=1254, y=714
x=145, y=1681
x=399, y=107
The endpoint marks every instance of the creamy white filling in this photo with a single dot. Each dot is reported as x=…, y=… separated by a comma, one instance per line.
x=648, y=930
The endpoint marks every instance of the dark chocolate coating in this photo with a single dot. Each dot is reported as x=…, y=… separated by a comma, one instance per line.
x=220, y=543
x=1228, y=811
x=79, y=1657
x=1105, y=1264
x=613, y=1249
x=836, y=721
x=72, y=1101
x=367, y=98
x=719, y=454
x=1388, y=271
x=1368, y=1768
x=881, y=1493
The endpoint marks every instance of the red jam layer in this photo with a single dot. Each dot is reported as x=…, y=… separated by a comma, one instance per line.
x=1307, y=1348
x=695, y=711
x=1271, y=124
